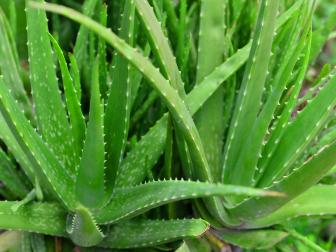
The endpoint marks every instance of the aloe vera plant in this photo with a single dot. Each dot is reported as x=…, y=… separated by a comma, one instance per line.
x=226, y=120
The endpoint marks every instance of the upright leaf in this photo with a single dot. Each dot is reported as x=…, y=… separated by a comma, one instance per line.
x=9, y=66
x=49, y=171
x=119, y=102
x=212, y=22
x=72, y=100
x=90, y=189
x=50, y=112
x=252, y=87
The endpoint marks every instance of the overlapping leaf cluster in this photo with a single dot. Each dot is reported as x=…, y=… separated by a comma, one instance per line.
x=158, y=103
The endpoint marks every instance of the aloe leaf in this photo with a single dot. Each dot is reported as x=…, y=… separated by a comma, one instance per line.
x=102, y=53
x=248, y=159
x=45, y=218
x=137, y=77
x=50, y=112
x=118, y=106
x=182, y=48
x=131, y=201
x=74, y=70
x=10, y=178
x=38, y=243
x=144, y=155
x=9, y=66
x=309, y=243
x=252, y=87
x=171, y=17
x=28, y=198
x=212, y=22
x=80, y=49
x=116, y=13
x=154, y=141
x=252, y=239
x=164, y=55
x=25, y=245
x=160, y=45
x=171, y=98
x=282, y=121
x=194, y=245
x=46, y=167
x=90, y=188
x=300, y=180
x=303, y=129
x=130, y=234
x=82, y=229
x=148, y=150
x=318, y=200
x=72, y=100
x=14, y=147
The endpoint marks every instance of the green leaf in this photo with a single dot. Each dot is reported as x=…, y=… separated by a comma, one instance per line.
x=45, y=218
x=9, y=66
x=131, y=201
x=250, y=94
x=303, y=129
x=252, y=239
x=300, y=180
x=282, y=121
x=119, y=102
x=212, y=23
x=72, y=100
x=81, y=45
x=160, y=45
x=151, y=146
x=50, y=111
x=144, y=233
x=318, y=200
x=82, y=229
x=171, y=98
x=194, y=245
x=250, y=153
x=75, y=76
x=90, y=188
x=10, y=177
x=47, y=168
x=309, y=243
x=38, y=243
x=14, y=147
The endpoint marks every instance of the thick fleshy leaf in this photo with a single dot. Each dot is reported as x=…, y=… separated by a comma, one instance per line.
x=250, y=94
x=144, y=233
x=300, y=180
x=49, y=171
x=119, y=101
x=45, y=218
x=90, y=187
x=51, y=116
x=318, y=200
x=10, y=177
x=212, y=23
x=72, y=101
x=254, y=239
x=82, y=228
x=131, y=201
x=9, y=66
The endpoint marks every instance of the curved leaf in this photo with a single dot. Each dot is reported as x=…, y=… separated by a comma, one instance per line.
x=132, y=201
x=144, y=233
